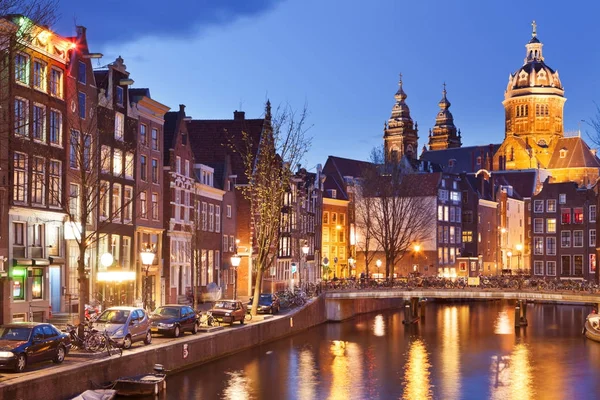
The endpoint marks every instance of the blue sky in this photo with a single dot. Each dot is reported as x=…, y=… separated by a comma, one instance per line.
x=343, y=59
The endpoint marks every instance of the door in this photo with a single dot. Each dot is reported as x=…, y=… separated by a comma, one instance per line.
x=55, y=289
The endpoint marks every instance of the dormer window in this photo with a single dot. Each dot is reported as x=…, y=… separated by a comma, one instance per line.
x=479, y=160
x=451, y=162
x=523, y=76
x=563, y=153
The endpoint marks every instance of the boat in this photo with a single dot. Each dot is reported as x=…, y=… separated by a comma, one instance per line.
x=591, y=329
x=97, y=394
x=142, y=385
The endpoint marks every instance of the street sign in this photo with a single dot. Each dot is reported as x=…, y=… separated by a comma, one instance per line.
x=294, y=268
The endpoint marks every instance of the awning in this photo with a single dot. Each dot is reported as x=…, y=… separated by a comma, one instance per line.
x=57, y=260
x=22, y=261
x=41, y=261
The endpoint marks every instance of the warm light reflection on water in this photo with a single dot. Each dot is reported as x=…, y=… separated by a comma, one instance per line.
x=417, y=385
x=379, y=326
x=345, y=369
x=502, y=325
x=511, y=376
x=451, y=377
x=237, y=387
x=307, y=375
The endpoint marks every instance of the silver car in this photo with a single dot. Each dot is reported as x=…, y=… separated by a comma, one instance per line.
x=125, y=325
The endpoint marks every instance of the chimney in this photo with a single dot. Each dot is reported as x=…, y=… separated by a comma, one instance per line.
x=239, y=115
x=182, y=108
x=81, y=31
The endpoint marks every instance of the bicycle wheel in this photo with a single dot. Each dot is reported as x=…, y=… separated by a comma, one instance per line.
x=248, y=317
x=95, y=343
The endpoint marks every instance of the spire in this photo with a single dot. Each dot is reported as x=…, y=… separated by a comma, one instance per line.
x=534, y=29
x=400, y=136
x=444, y=103
x=444, y=133
x=268, y=110
x=400, y=95
x=534, y=47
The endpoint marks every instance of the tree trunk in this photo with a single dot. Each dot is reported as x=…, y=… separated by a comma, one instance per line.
x=84, y=297
x=257, y=289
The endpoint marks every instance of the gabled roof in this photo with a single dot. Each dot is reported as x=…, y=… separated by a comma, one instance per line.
x=210, y=141
x=576, y=152
x=420, y=185
x=462, y=159
x=336, y=168
x=524, y=182
x=169, y=133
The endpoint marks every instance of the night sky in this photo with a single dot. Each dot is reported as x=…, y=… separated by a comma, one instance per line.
x=343, y=59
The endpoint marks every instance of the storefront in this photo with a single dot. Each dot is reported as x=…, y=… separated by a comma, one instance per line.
x=30, y=290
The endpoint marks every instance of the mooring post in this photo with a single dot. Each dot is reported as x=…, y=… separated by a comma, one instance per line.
x=523, y=312
x=414, y=305
x=407, y=312
x=518, y=314
x=422, y=309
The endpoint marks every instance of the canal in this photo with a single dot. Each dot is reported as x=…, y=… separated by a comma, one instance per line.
x=460, y=351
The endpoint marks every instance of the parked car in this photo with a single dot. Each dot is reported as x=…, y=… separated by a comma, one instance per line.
x=267, y=303
x=229, y=311
x=174, y=319
x=23, y=343
x=125, y=325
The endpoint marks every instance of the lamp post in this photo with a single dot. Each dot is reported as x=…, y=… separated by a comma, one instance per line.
x=305, y=250
x=378, y=264
x=519, y=248
x=147, y=257
x=509, y=258
x=235, y=263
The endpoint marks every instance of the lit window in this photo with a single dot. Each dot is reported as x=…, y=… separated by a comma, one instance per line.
x=39, y=122
x=20, y=177
x=81, y=99
x=550, y=225
x=21, y=117
x=155, y=206
x=117, y=162
x=129, y=165
x=128, y=204
x=55, y=127
x=39, y=75
x=578, y=215
x=56, y=77
x=22, y=68
x=119, y=126
x=55, y=172
x=116, y=202
x=143, y=205
x=39, y=181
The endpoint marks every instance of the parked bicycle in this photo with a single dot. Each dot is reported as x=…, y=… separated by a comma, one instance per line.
x=101, y=341
x=81, y=342
x=207, y=319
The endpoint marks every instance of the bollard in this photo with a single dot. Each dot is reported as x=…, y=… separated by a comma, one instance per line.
x=414, y=306
x=524, y=313
x=517, y=315
x=422, y=309
x=407, y=313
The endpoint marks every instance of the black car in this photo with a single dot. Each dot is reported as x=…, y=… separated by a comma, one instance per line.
x=174, y=319
x=23, y=343
x=267, y=303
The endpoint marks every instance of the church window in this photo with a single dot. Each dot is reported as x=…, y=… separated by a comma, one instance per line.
x=511, y=154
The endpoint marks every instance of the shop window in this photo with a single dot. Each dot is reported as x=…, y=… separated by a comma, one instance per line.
x=18, y=276
x=37, y=286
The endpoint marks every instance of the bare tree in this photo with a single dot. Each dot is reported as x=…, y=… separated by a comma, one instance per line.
x=365, y=242
x=283, y=144
x=399, y=217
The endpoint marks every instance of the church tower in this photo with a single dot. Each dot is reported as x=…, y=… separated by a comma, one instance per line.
x=533, y=109
x=444, y=134
x=399, y=135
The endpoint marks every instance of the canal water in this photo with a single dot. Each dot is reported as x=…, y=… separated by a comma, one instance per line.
x=459, y=351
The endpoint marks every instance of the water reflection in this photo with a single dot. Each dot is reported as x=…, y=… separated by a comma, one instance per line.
x=307, y=374
x=502, y=325
x=450, y=385
x=346, y=365
x=512, y=376
x=237, y=386
x=417, y=373
x=379, y=326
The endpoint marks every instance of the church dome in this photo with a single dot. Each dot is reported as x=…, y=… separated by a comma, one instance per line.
x=534, y=73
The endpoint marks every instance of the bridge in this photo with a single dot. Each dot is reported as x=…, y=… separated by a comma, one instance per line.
x=343, y=304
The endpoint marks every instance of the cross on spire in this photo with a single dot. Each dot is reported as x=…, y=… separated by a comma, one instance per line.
x=534, y=30
x=400, y=78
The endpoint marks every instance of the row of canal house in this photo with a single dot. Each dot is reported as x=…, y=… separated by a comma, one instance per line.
x=90, y=159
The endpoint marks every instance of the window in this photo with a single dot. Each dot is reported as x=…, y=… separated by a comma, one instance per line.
x=22, y=68
x=551, y=206
x=87, y=151
x=467, y=236
x=565, y=239
x=538, y=267
x=116, y=202
x=178, y=164
x=105, y=159
x=155, y=170
x=551, y=246
x=117, y=162
x=74, y=201
x=342, y=219
x=467, y=217
x=143, y=168
x=39, y=75
x=452, y=214
x=20, y=177
x=446, y=213
x=154, y=139
x=56, y=77
x=228, y=211
x=442, y=194
x=562, y=198
x=55, y=184
x=538, y=245
x=119, y=95
x=217, y=218
x=128, y=204
x=37, y=284
x=326, y=217
x=104, y=200
x=578, y=265
x=225, y=241
x=143, y=137
x=538, y=225
x=551, y=268
x=592, y=238
x=565, y=265
x=81, y=98
x=81, y=77
x=211, y=217
x=538, y=206
x=119, y=126
x=143, y=205
x=39, y=122
x=565, y=216
x=18, y=277
x=592, y=263
x=592, y=215
x=126, y=252
x=187, y=167
x=455, y=196
x=577, y=238
x=440, y=213
x=39, y=180
x=55, y=127
x=204, y=219
x=578, y=215
x=452, y=234
x=21, y=117
x=129, y=165
x=155, y=206
x=550, y=225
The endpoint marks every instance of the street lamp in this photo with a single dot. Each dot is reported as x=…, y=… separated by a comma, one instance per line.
x=147, y=256
x=378, y=263
x=235, y=263
x=305, y=250
x=519, y=248
x=509, y=258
